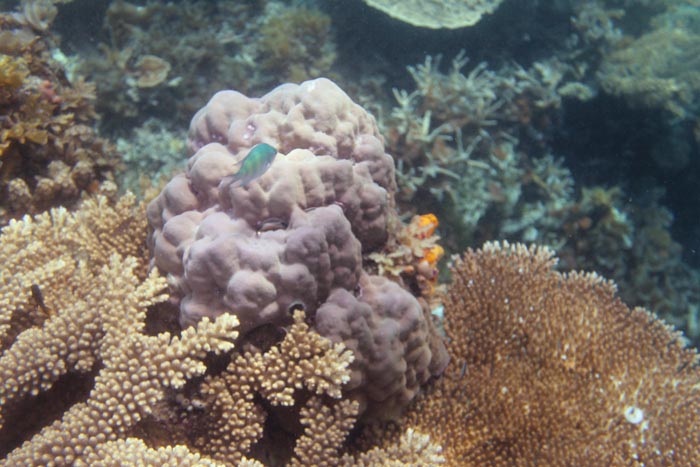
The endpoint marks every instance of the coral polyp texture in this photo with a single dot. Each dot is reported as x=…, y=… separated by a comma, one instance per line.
x=296, y=236
x=553, y=369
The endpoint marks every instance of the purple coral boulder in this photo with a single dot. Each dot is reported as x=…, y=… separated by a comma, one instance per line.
x=296, y=235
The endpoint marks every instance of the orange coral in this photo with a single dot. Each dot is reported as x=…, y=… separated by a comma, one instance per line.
x=413, y=255
x=553, y=369
x=427, y=223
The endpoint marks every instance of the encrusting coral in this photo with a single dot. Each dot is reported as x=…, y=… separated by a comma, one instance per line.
x=553, y=369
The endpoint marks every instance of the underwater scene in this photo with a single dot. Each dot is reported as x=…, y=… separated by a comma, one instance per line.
x=335, y=233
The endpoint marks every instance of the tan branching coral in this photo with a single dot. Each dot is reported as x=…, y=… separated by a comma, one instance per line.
x=284, y=406
x=67, y=293
x=303, y=360
x=133, y=452
x=553, y=369
x=137, y=371
x=412, y=449
x=50, y=260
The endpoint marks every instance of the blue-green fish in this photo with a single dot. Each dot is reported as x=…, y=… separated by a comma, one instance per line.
x=254, y=164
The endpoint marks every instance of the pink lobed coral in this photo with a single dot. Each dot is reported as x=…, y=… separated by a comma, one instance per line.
x=295, y=237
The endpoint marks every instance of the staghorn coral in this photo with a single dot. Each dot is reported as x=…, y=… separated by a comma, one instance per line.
x=50, y=154
x=66, y=292
x=437, y=13
x=553, y=369
x=136, y=372
x=474, y=145
x=58, y=247
x=296, y=235
x=233, y=420
x=133, y=452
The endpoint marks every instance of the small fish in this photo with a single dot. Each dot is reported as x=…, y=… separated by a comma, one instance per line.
x=254, y=164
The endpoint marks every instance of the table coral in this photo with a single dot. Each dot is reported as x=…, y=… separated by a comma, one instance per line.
x=437, y=13
x=298, y=234
x=554, y=369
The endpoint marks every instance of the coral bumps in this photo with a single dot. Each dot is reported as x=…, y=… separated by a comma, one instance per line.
x=296, y=237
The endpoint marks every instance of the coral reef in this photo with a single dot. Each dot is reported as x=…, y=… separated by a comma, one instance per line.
x=553, y=369
x=50, y=154
x=151, y=153
x=485, y=130
x=151, y=59
x=473, y=147
x=437, y=14
x=51, y=287
x=296, y=44
x=413, y=255
x=659, y=69
x=632, y=245
x=296, y=236
x=304, y=311
x=86, y=383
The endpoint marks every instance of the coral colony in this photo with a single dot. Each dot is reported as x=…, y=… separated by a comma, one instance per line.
x=276, y=293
